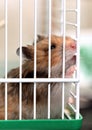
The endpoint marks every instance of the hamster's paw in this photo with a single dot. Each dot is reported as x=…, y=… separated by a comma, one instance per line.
x=70, y=72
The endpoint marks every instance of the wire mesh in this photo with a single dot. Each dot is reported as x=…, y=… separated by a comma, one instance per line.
x=63, y=22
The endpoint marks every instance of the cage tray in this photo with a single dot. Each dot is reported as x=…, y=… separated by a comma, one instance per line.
x=52, y=124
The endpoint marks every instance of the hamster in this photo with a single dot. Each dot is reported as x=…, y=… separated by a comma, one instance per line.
x=41, y=72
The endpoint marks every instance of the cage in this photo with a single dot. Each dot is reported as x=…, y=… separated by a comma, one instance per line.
x=53, y=19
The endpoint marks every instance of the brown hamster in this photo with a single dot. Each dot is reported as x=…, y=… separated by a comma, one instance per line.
x=42, y=72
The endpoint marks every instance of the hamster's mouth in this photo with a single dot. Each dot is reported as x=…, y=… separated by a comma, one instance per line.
x=70, y=62
x=71, y=67
x=74, y=59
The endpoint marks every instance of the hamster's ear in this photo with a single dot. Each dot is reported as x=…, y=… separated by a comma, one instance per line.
x=26, y=52
x=40, y=37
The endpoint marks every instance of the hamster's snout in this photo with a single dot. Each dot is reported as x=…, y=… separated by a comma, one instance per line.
x=70, y=43
x=73, y=45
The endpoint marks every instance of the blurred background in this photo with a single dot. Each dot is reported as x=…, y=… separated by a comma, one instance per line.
x=42, y=22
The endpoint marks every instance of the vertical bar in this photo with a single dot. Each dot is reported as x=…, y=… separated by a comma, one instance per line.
x=62, y=8
x=78, y=57
x=77, y=100
x=64, y=40
x=35, y=36
x=6, y=52
x=49, y=58
x=20, y=85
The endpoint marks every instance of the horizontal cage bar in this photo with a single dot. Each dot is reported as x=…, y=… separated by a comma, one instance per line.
x=67, y=10
x=36, y=80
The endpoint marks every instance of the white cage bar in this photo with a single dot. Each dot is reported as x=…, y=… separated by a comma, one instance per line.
x=63, y=67
x=78, y=59
x=20, y=73
x=35, y=36
x=49, y=58
x=26, y=80
x=6, y=55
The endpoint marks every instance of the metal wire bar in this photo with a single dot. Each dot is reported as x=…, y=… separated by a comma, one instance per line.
x=67, y=115
x=67, y=10
x=72, y=94
x=64, y=40
x=77, y=100
x=71, y=10
x=6, y=57
x=72, y=107
x=20, y=76
x=72, y=24
x=35, y=54
x=78, y=58
x=49, y=58
x=40, y=80
x=67, y=23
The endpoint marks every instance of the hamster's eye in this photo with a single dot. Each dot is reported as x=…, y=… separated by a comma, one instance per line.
x=53, y=46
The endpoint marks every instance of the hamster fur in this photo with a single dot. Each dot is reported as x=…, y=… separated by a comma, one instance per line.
x=42, y=72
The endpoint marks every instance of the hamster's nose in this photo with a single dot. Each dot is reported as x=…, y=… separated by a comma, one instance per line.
x=73, y=45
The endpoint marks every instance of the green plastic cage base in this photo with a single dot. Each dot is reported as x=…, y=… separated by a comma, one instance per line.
x=52, y=124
